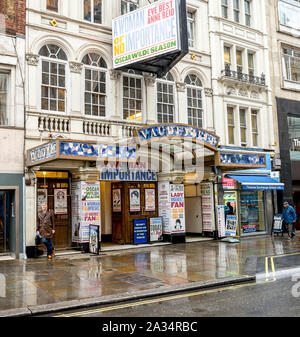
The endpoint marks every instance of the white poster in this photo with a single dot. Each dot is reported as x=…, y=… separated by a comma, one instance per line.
x=135, y=200
x=207, y=207
x=60, y=201
x=156, y=229
x=150, y=200
x=116, y=195
x=231, y=225
x=177, y=208
x=42, y=198
x=164, y=207
x=221, y=221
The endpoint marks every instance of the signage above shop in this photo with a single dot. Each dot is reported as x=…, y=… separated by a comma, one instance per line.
x=78, y=150
x=113, y=174
x=295, y=144
x=151, y=39
x=238, y=159
x=228, y=184
x=177, y=131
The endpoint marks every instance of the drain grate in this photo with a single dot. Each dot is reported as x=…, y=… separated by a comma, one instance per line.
x=135, y=278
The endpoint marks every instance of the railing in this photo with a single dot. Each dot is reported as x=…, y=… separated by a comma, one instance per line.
x=128, y=130
x=96, y=128
x=237, y=75
x=54, y=123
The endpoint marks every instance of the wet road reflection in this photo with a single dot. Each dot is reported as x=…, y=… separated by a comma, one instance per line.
x=39, y=281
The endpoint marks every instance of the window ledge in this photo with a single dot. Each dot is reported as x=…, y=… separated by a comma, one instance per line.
x=291, y=85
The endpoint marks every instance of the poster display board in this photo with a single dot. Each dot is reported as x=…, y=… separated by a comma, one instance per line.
x=221, y=221
x=94, y=246
x=139, y=231
x=85, y=210
x=116, y=195
x=231, y=225
x=135, y=199
x=156, y=233
x=207, y=207
x=277, y=224
x=177, y=208
x=60, y=201
x=150, y=200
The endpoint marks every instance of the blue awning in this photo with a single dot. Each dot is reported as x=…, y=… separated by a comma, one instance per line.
x=257, y=182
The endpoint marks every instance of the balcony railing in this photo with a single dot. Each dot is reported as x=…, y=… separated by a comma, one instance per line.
x=239, y=76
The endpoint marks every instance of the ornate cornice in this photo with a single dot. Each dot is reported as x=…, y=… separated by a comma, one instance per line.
x=32, y=59
x=75, y=67
x=114, y=74
x=208, y=92
x=180, y=86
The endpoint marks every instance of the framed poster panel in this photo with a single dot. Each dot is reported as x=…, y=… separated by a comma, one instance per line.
x=135, y=199
x=150, y=200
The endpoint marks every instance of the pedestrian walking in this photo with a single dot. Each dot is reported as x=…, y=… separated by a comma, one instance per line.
x=46, y=229
x=289, y=218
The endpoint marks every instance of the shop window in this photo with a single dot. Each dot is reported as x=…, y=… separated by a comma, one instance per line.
x=294, y=137
x=165, y=99
x=129, y=6
x=132, y=96
x=95, y=85
x=52, y=5
x=252, y=211
x=191, y=28
x=4, y=85
x=194, y=100
x=291, y=64
x=53, y=89
x=93, y=11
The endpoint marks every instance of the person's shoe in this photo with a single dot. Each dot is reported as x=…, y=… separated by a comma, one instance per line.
x=49, y=257
x=53, y=253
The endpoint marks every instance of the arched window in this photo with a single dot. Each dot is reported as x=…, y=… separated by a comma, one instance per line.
x=194, y=100
x=53, y=95
x=165, y=99
x=132, y=95
x=95, y=69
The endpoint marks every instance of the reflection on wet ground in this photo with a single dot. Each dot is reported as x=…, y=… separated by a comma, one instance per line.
x=39, y=281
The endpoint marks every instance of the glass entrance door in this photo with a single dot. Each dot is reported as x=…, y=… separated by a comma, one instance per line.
x=6, y=201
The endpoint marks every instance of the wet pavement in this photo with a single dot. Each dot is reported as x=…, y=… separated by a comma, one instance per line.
x=82, y=276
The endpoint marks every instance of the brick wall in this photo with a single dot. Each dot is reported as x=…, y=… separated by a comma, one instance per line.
x=13, y=16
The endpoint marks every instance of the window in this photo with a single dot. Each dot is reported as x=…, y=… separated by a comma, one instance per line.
x=165, y=99
x=247, y=13
x=95, y=85
x=225, y=9
x=291, y=64
x=132, y=96
x=53, y=96
x=254, y=126
x=4, y=83
x=227, y=57
x=230, y=124
x=243, y=127
x=289, y=15
x=52, y=5
x=236, y=10
x=129, y=6
x=93, y=11
x=194, y=100
x=191, y=28
x=251, y=65
x=239, y=61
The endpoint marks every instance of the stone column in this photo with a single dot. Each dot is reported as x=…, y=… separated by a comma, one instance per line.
x=181, y=103
x=150, y=99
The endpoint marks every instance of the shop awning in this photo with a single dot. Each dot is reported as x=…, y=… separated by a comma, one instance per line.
x=257, y=182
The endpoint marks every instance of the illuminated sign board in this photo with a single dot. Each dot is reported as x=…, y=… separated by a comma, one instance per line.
x=144, y=35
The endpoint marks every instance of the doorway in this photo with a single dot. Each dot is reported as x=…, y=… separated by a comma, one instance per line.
x=6, y=221
x=54, y=189
x=296, y=197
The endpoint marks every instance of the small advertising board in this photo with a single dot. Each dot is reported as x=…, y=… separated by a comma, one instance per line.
x=221, y=221
x=140, y=231
x=94, y=246
x=156, y=229
x=231, y=225
x=277, y=224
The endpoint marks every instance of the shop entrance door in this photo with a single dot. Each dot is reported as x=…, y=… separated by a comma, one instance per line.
x=6, y=202
x=193, y=215
x=138, y=202
x=297, y=208
x=57, y=194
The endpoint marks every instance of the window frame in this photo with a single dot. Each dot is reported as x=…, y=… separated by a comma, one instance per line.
x=236, y=10
x=192, y=21
x=83, y=87
x=243, y=126
x=247, y=15
x=257, y=112
x=128, y=3
x=224, y=8
x=53, y=9
x=143, y=105
x=67, y=82
x=9, y=111
x=287, y=72
x=92, y=2
x=231, y=125
x=162, y=80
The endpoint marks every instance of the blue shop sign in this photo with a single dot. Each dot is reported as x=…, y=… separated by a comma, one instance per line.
x=175, y=131
x=242, y=159
x=41, y=153
x=140, y=231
